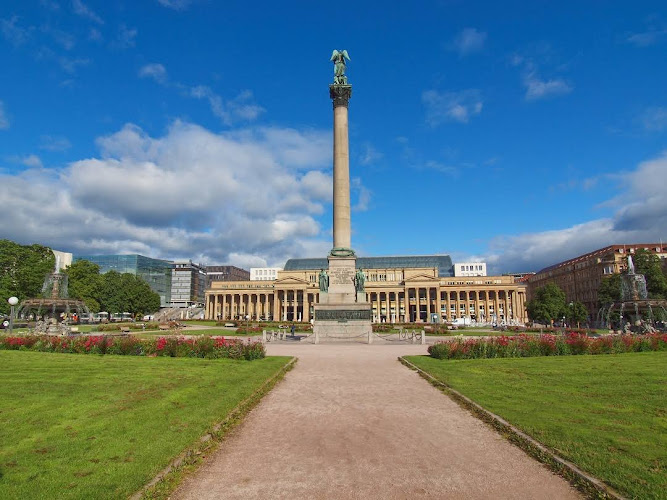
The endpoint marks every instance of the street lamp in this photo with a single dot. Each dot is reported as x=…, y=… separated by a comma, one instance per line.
x=571, y=309
x=12, y=302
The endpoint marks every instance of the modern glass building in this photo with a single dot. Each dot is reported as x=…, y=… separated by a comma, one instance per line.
x=155, y=272
x=188, y=283
x=442, y=262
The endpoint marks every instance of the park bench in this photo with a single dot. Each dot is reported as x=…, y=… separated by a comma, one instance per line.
x=125, y=329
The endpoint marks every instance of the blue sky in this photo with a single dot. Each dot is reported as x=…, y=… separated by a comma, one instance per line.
x=521, y=133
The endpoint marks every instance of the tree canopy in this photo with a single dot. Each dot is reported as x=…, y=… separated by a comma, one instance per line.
x=112, y=292
x=549, y=304
x=609, y=290
x=22, y=270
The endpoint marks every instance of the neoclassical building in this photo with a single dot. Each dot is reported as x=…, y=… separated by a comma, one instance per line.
x=403, y=289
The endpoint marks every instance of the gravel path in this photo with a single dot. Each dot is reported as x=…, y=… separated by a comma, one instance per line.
x=349, y=421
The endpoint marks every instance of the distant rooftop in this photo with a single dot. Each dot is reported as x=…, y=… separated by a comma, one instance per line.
x=442, y=262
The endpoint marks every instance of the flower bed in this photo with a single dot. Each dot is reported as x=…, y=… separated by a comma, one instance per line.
x=546, y=345
x=201, y=347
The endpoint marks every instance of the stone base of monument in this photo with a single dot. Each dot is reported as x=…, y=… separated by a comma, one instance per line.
x=343, y=323
x=341, y=281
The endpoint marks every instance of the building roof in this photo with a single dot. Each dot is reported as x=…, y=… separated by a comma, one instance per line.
x=601, y=251
x=442, y=262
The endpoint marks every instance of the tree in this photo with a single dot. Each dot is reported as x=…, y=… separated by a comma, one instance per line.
x=547, y=305
x=112, y=292
x=648, y=264
x=577, y=313
x=22, y=270
x=609, y=290
x=84, y=283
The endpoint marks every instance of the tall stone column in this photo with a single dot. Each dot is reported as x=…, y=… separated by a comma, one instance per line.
x=340, y=94
x=341, y=310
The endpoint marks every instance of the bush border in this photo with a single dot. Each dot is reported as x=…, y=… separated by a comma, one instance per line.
x=186, y=463
x=582, y=481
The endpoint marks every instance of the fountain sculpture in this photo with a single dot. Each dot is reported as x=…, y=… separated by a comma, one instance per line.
x=637, y=313
x=54, y=304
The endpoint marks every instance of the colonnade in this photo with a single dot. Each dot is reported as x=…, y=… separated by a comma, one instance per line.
x=391, y=304
x=277, y=305
x=425, y=303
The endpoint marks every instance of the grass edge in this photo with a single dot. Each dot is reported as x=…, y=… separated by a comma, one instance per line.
x=188, y=461
x=587, y=484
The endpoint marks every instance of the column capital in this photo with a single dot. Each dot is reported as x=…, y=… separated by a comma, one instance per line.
x=340, y=94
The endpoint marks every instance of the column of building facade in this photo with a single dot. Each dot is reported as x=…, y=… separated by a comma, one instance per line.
x=457, y=302
x=476, y=300
x=508, y=300
x=379, y=301
x=208, y=307
x=297, y=302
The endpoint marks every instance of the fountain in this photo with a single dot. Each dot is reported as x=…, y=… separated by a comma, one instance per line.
x=638, y=308
x=54, y=305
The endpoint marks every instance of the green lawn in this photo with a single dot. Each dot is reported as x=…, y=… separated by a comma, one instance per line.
x=605, y=413
x=86, y=426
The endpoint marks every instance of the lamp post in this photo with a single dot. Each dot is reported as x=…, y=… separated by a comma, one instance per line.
x=12, y=302
x=571, y=309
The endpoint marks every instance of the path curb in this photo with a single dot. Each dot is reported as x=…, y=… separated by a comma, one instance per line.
x=587, y=484
x=217, y=434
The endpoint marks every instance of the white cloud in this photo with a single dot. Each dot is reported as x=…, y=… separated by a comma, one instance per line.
x=440, y=167
x=654, y=34
x=13, y=33
x=175, y=4
x=641, y=217
x=54, y=143
x=655, y=119
x=4, y=120
x=95, y=35
x=468, y=41
x=240, y=108
x=451, y=106
x=126, y=38
x=370, y=155
x=32, y=161
x=537, y=88
x=191, y=192
x=363, y=195
x=70, y=65
x=156, y=71
x=81, y=9
x=64, y=39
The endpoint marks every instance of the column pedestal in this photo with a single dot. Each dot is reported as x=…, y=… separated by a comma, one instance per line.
x=343, y=315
